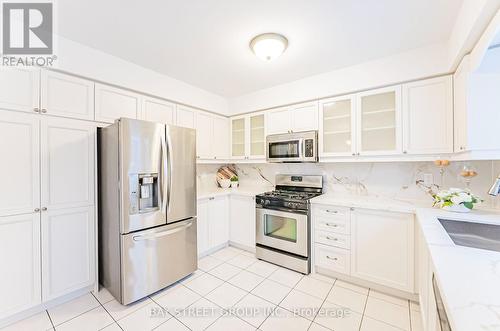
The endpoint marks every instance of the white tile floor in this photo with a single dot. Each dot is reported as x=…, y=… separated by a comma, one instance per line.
x=234, y=291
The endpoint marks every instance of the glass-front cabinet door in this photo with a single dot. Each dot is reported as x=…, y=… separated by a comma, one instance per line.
x=337, y=126
x=379, y=121
x=257, y=137
x=238, y=137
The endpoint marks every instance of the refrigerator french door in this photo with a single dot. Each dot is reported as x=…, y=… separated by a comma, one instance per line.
x=147, y=207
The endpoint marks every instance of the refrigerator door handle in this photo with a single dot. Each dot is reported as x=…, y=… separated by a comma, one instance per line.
x=163, y=196
x=169, y=166
x=162, y=234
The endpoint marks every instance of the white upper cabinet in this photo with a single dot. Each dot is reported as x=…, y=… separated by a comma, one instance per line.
x=156, y=110
x=337, y=126
x=278, y=121
x=220, y=143
x=186, y=117
x=204, y=134
x=382, y=248
x=20, y=166
x=296, y=118
x=428, y=116
x=304, y=117
x=379, y=121
x=68, y=255
x=20, y=281
x=248, y=137
x=460, y=80
x=111, y=103
x=67, y=166
x=19, y=88
x=65, y=95
x=239, y=137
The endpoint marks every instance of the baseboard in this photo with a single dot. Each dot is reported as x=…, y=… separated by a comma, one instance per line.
x=242, y=247
x=44, y=306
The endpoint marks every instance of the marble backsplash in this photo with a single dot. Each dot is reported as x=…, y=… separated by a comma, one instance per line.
x=395, y=180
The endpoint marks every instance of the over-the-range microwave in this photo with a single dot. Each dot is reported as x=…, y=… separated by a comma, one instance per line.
x=292, y=147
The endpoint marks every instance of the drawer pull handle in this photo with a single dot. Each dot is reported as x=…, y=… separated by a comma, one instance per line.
x=330, y=224
x=332, y=258
x=332, y=211
x=330, y=238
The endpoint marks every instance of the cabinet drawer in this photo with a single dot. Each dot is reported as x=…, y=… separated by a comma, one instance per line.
x=332, y=211
x=333, y=224
x=333, y=239
x=335, y=259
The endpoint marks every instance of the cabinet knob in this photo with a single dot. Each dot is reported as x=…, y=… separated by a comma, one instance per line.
x=215, y=157
x=331, y=258
x=37, y=210
x=331, y=211
x=44, y=208
x=44, y=110
x=353, y=154
x=352, y=208
x=211, y=198
x=197, y=157
x=405, y=152
x=36, y=110
x=359, y=154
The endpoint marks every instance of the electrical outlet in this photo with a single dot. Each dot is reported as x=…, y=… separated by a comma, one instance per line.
x=428, y=179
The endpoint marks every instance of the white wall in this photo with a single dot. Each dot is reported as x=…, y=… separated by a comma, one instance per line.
x=411, y=65
x=79, y=59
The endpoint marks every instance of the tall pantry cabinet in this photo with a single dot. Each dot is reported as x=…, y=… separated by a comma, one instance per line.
x=47, y=199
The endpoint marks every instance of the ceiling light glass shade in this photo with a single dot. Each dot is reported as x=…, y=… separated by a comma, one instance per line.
x=268, y=46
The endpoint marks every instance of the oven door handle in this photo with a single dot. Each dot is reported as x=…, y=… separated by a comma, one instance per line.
x=285, y=210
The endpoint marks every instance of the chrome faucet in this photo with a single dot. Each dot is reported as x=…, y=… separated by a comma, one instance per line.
x=495, y=188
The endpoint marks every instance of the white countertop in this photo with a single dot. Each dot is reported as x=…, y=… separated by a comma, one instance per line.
x=244, y=191
x=468, y=278
x=370, y=202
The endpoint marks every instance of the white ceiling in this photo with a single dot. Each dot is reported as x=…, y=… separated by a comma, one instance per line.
x=205, y=42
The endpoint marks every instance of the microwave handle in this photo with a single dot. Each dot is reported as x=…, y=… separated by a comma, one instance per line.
x=302, y=147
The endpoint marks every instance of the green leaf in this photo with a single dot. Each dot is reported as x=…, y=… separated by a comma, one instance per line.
x=447, y=203
x=469, y=205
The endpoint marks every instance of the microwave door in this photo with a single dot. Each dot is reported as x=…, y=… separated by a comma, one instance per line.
x=140, y=149
x=285, y=150
x=180, y=170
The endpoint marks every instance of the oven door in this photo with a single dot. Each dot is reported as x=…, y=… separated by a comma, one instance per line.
x=285, y=231
x=285, y=150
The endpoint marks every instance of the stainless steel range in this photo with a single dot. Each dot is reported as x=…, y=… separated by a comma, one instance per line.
x=283, y=219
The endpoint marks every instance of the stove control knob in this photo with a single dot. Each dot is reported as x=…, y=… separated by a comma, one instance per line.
x=267, y=202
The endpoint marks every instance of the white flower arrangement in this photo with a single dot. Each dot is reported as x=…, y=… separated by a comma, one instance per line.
x=455, y=197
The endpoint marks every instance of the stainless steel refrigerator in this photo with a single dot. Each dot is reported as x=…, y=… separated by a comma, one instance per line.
x=147, y=207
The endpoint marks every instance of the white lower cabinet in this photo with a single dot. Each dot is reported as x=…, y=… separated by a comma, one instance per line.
x=20, y=281
x=382, y=247
x=68, y=255
x=213, y=223
x=370, y=245
x=242, y=225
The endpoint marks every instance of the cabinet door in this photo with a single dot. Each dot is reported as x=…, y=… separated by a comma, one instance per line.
x=20, y=166
x=257, y=137
x=460, y=106
x=242, y=221
x=220, y=140
x=111, y=103
x=19, y=88
x=68, y=162
x=337, y=126
x=204, y=135
x=20, y=279
x=68, y=251
x=68, y=96
x=202, y=221
x=238, y=137
x=186, y=117
x=218, y=221
x=156, y=110
x=278, y=121
x=378, y=118
x=382, y=248
x=428, y=116
x=304, y=117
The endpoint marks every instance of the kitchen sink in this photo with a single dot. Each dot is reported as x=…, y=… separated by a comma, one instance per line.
x=470, y=234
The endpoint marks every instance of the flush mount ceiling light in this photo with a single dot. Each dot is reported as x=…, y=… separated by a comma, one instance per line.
x=268, y=46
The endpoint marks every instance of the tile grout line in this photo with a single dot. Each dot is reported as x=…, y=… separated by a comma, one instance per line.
x=50, y=319
x=115, y=321
x=364, y=309
x=72, y=318
x=322, y=304
x=173, y=316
